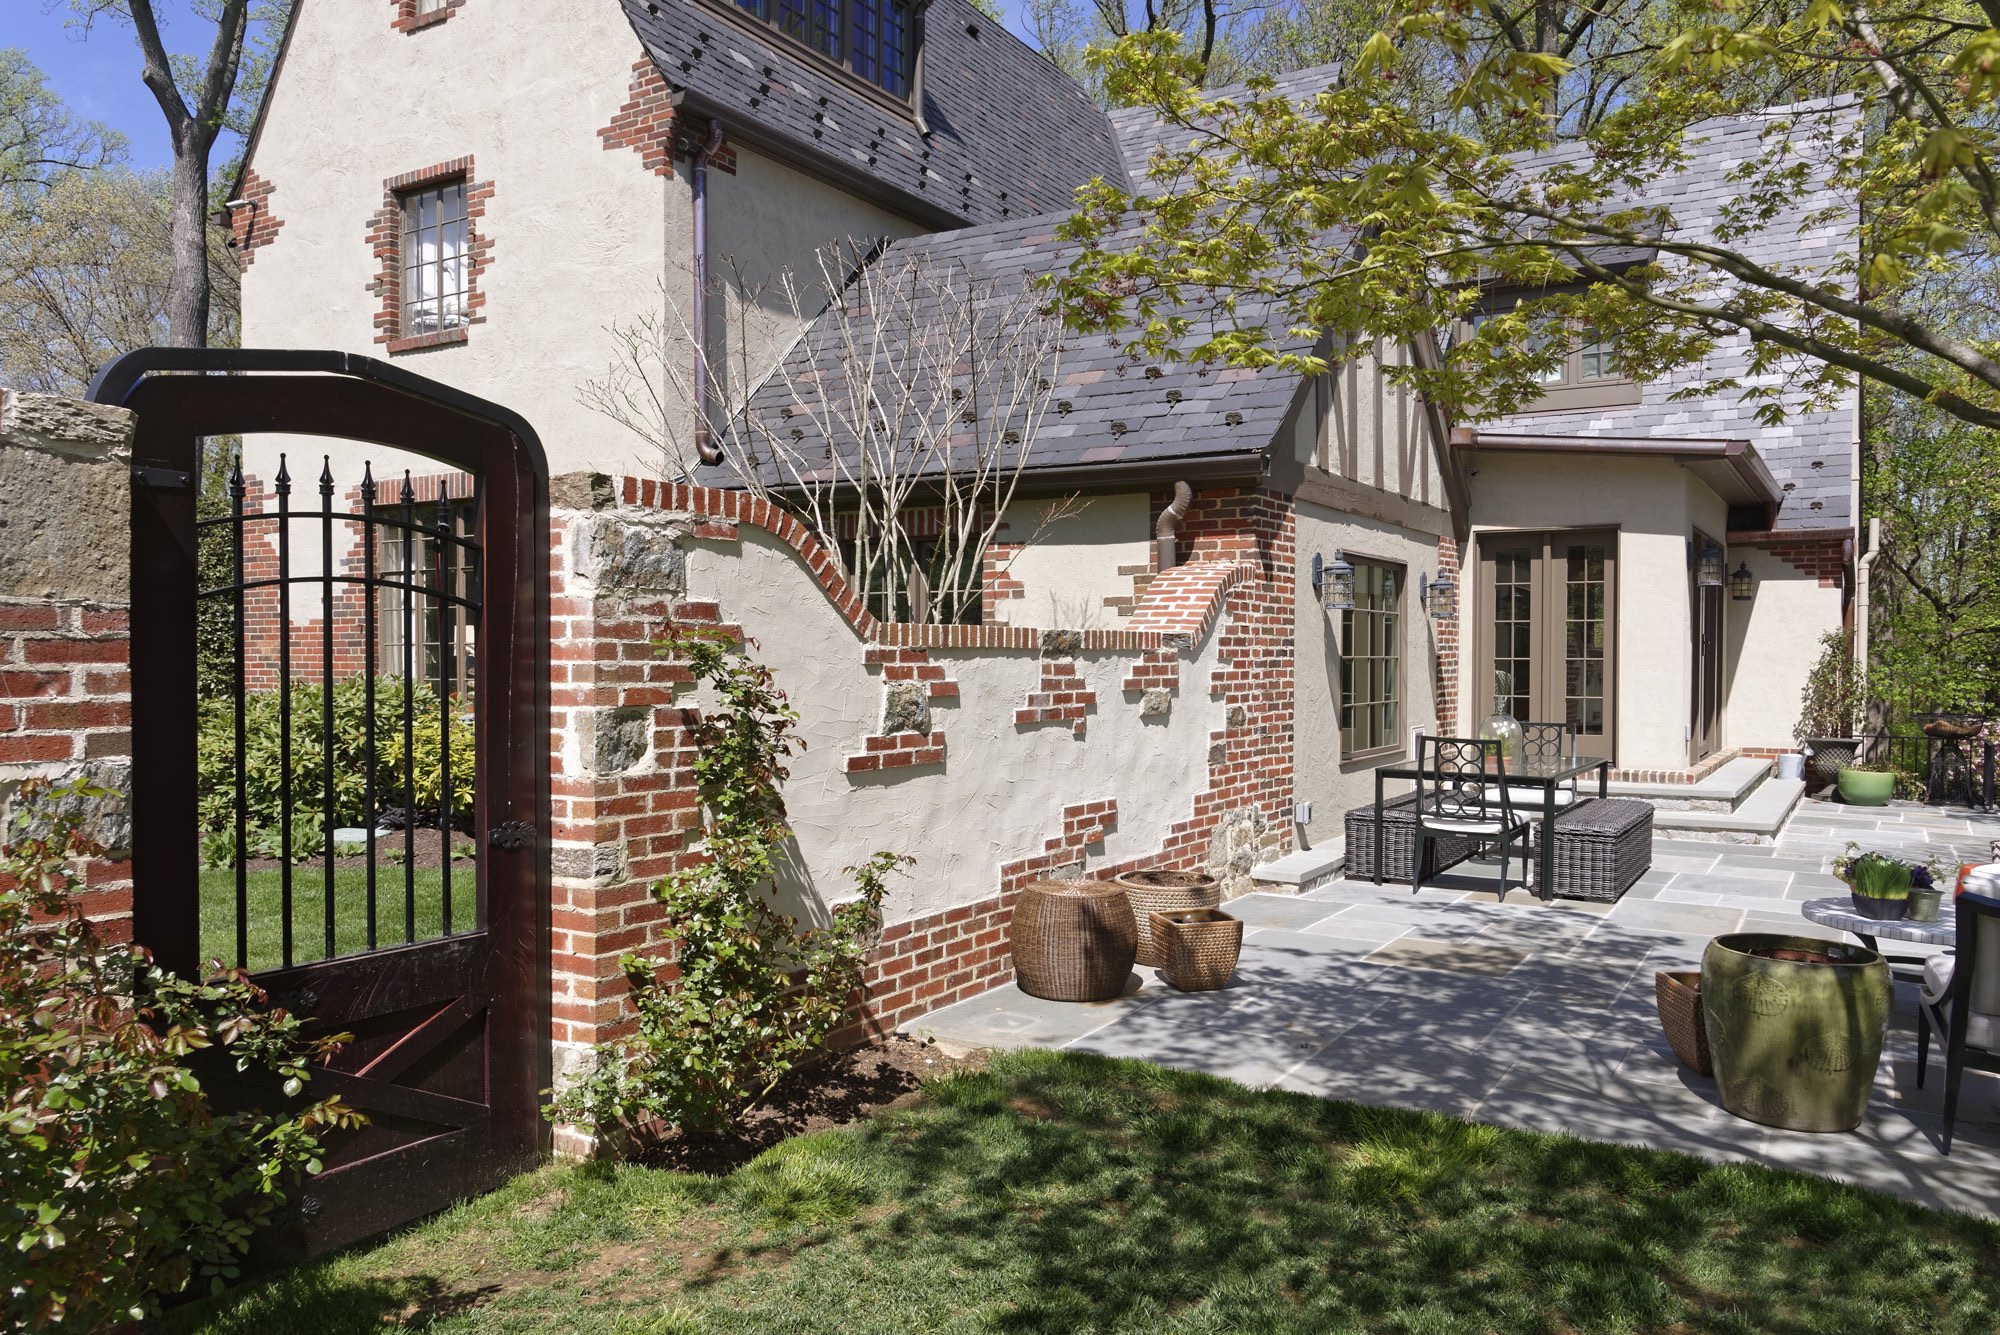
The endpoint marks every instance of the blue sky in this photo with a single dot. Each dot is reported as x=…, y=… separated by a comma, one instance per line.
x=99, y=78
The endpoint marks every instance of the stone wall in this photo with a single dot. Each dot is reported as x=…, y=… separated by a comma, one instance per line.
x=65, y=561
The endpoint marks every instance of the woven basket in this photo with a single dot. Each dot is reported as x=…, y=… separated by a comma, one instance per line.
x=1198, y=948
x=1073, y=940
x=1679, y=995
x=1165, y=892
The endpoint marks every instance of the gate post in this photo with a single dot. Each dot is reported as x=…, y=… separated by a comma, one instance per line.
x=65, y=605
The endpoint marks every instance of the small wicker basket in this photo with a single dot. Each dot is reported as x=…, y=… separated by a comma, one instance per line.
x=1198, y=948
x=1165, y=892
x=1678, y=993
x=1073, y=940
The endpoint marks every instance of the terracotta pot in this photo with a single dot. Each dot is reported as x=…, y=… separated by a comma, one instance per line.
x=1795, y=1027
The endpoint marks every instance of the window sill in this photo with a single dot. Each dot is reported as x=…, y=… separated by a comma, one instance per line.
x=1372, y=759
x=444, y=338
x=1579, y=398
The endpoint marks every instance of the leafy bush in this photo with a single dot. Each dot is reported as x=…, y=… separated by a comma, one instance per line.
x=1836, y=694
x=118, y=1181
x=264, y=775
x=755, y=992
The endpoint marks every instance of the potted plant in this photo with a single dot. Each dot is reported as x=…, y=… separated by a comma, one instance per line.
x=1828, y=730
x=1866, y=785
x=1794, y=1027
x=1878, y=884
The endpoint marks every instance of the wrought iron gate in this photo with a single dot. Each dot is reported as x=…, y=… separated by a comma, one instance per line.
x=427, y=669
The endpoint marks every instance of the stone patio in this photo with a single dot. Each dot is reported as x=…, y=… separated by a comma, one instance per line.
x=1522, y=1014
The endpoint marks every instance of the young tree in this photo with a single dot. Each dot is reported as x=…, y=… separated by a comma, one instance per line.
x=40, y=137
x=1361, y=213
x=199, y=100
x=915, y=384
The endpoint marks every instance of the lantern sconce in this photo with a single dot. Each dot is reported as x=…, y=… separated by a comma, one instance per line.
x=1333, y=582
x=1438, y=596
x=1712, y=570
x=1742, y=584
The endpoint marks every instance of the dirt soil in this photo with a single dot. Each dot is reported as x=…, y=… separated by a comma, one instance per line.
x=428, y=846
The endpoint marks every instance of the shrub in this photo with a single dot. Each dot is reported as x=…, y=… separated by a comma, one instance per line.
x=1835, y=694
x=755, y=992
x=264, y=775
x=118, y=1181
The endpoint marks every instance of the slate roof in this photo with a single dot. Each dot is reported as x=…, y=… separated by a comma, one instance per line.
x=1010, y=135
x=1141, y=134
x=1110, y=408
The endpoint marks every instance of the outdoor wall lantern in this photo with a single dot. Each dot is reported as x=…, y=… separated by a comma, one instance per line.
x=1741, y=583
x=1711, y=571
x=1439, y=597
x=1334, y=582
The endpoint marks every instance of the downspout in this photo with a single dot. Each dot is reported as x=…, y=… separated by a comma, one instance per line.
x=704, y=442
x=1170, y=524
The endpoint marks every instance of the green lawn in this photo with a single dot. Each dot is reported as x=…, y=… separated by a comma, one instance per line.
x=1062, y=1193
x=350, y=903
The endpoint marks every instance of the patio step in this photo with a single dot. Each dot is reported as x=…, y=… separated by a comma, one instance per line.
x=1724, y=790
x=1307, y=869
x=1756, y=820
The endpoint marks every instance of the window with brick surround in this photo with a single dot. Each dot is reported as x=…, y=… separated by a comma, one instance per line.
x=871, y=39
x=1371, y=662
x=436, y=262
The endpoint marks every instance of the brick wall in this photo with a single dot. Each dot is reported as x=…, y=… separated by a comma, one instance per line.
x=252, y=224
x=1445, y=631
x=65, y=639
x=650, y=125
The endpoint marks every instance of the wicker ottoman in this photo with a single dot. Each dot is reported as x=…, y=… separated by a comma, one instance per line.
x=1602, y=847
x=1399, y=843
x=1073, y=940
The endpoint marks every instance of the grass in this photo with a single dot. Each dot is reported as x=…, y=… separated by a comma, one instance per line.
x=1064, y=1193
x=350, y=901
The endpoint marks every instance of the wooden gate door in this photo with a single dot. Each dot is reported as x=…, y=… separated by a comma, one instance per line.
x=395, y=884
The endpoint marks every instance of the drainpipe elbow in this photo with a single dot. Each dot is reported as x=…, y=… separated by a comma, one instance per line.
x=1170, y=524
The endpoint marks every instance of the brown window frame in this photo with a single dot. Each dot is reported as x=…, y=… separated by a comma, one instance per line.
x=1572, y=391
x=1548, y=648
x=836, y=68
x=1394, y=743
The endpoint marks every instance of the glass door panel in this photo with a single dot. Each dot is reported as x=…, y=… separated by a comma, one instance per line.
x=1545, y=632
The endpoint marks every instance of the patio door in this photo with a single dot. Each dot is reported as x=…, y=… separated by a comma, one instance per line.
x=1546, y=612
x=1705, y=701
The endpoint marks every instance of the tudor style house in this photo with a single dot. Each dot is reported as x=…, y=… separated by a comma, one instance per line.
x=482, y=189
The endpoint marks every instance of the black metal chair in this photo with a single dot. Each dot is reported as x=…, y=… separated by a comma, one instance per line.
x=1462, y=793
x=1556, y=744
x=1960, y=1003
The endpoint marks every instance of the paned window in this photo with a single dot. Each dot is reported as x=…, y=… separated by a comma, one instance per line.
x=411, y=556
x=1371, y=661
x=436, y=267
x=871, y=38
x=1584, y=375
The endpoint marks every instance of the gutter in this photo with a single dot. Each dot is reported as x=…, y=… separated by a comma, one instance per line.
x=704, y=431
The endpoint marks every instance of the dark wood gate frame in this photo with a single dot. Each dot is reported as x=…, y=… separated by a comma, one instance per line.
x=182, y=396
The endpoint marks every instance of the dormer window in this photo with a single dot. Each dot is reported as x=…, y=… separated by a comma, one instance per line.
x=1585, y=374
x=872, y=39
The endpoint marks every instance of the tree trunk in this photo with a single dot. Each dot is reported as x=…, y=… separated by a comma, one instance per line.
x=187, y=284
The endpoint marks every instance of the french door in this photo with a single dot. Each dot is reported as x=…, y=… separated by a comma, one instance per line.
x=1546, y=618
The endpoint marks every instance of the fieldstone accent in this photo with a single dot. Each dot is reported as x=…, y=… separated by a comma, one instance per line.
x=582, y=491
x=602, y=862
x=1156, y=703
x=1238, y=716
x=67, y=465
x=620, y=739
x=633, y=559
x=106, y=820
x=906, y=707
x=68, y=427
x=1235, y=847
x=1062, y=643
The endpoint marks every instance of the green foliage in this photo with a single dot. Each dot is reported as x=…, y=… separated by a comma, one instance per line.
x=1835, y=694
x=1874, y=875
x=265, y=774
x=118, y=1181
x=748, y=992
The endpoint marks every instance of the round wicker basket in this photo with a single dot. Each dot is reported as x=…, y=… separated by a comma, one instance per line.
x=1073, y=940
x=1165, y=892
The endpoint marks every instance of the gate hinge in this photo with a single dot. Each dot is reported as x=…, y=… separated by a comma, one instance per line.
x=163, y=479
x=512, y=835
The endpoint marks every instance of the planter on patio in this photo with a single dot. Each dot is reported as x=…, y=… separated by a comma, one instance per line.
x=1165, y=892
x=1198, y=948
x=1866, y=787
x=1825, y=756
x=1677, y=992
x=1795, y=1027
x=1878, y=884
x=1073, y=940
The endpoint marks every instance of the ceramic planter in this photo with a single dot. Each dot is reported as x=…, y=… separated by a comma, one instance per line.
x=1795, y=1027
x=1882, y=910
x=1866, y=788
x=1924, y=904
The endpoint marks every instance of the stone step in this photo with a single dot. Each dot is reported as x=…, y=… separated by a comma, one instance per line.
x=1307, y=869
x=1756, y=820
x=1724, y=790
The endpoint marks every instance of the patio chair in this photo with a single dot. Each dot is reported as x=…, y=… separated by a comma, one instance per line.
x=1960, y=1002
x=1462, y=793
x=1551, y=742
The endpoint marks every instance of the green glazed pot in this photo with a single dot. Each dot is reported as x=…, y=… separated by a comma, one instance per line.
x=1866, y=787
x=1795, y=1043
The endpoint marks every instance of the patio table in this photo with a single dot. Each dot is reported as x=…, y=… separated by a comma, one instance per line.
x=1838, y=911
x=1547, y=774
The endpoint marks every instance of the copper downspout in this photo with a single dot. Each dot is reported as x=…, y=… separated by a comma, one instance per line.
x=704, y=443
x=1170, y=524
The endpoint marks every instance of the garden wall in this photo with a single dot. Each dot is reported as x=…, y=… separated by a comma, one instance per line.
x=992, y=755
x=65, y=562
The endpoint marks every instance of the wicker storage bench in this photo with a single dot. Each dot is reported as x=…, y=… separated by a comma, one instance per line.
x=1602, y=847
x=1399, y=842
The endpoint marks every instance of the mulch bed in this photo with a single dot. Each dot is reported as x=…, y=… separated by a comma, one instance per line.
x=427, y=853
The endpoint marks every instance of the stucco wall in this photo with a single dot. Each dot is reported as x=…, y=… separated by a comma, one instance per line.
x=1072, y=568
x=1322, y=778
x=1773, y=644
x=1371, y=431
x=1000, y=793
